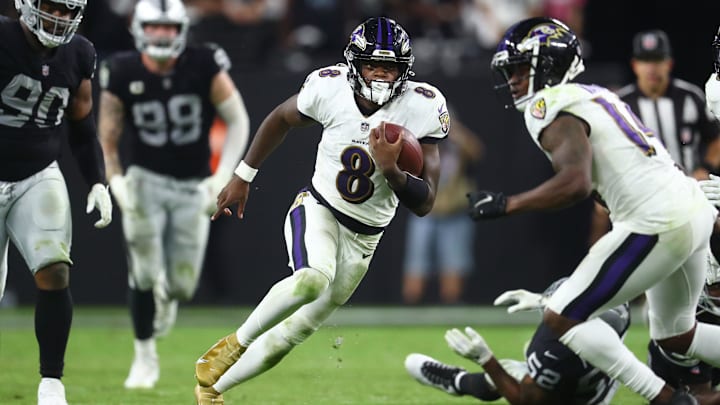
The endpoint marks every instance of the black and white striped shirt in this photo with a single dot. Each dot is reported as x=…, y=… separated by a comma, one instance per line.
x=679, y=118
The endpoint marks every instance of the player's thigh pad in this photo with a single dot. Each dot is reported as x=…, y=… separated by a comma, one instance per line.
x=144, y=226
x=186, y=240
x=619, y=267
x=354, y=256
x=311, y=236
x=3, y=266
x=39, y=221
x=672, y=302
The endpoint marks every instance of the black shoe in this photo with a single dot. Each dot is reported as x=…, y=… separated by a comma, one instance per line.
x=433, y=373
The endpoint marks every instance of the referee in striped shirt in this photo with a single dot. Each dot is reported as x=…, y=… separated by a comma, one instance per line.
x=672, y=108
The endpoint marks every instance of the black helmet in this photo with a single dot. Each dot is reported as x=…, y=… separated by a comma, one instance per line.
x=379, y=39
x=550, y=48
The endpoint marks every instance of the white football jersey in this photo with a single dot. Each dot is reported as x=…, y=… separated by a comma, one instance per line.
x=631, y=169
x=345, y=173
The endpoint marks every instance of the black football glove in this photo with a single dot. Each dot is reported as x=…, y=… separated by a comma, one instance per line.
x=486, y=204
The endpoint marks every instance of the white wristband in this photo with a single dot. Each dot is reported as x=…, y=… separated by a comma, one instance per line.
x=246, y=172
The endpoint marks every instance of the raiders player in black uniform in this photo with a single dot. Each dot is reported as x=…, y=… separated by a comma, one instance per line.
x=45, y=72
x=167, y=95
x=551, y=374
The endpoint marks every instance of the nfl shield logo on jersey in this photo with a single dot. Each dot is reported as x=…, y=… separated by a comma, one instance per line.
x=364, y=127
x=538, y=110
x=45, y=70
x=137, y=87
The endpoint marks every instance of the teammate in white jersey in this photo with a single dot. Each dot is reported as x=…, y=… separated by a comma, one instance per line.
x=661, y=220
x=334, y=225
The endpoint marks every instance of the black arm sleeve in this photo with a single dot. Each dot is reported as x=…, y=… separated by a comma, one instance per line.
x=86, y=149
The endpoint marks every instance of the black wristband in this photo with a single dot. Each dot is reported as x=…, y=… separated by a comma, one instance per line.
x=86, y=148
x=414, y=193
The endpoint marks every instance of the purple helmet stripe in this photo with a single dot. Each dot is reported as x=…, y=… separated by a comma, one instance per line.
x=378, y=38
x=389, y=34
x=612, y=275
x=297, y=224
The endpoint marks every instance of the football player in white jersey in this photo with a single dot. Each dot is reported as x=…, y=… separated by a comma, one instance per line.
x=168, y=95
x=662, y=222
x=334, y=225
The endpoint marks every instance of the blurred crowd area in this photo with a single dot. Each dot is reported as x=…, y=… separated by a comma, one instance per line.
x=295, y=35
x=450, y=37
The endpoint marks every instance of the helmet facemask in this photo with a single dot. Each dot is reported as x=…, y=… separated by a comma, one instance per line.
x=710, y=296
x=379, y=40
x=149, y=12
x=51, y=30
x=377, y=91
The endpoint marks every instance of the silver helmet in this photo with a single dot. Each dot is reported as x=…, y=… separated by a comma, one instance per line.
x=709, y=302
x=170, y=12
x=51, y=30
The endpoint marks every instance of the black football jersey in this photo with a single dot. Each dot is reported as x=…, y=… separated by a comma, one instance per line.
x=567, y=377
x=167, y=117
x=35, y=93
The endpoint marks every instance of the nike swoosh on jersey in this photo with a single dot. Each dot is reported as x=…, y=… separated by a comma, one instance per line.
x=548, y=354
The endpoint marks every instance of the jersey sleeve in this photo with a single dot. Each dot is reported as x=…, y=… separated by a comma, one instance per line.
x=435, y=115
x=317, y=91
x=542, y=109
x=109, y=77
x=87, y=58
x=552, y=365
x=220, y=59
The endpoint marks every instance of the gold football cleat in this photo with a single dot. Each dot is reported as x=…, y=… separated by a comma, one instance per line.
x=217, y=360
x=208, y=396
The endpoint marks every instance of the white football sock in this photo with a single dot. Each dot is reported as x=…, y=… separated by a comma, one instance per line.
x=705, y=344
x=284, y=298
x=598, y=344
x=259, y=357
x=145, y=347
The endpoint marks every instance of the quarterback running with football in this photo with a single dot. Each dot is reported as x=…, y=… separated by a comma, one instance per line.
x=661, y=220
x=45, y=81
x=335, y=224
x=168, y=94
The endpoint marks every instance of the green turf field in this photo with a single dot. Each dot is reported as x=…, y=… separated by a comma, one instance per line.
x=348, y=361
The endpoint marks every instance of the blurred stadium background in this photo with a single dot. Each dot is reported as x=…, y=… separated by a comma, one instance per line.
x=273, y=44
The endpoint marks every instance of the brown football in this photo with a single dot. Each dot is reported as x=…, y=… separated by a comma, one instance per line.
x=411, y=155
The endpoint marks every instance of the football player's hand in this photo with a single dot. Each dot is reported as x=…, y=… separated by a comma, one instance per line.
x=520, y=300
x=486, y=204
x=384, y=153
x=119, y=188
x=469, y=345
x=99, y=197
x=235, y=192
x=712, y=94
x=711, y=188
x=211, y=187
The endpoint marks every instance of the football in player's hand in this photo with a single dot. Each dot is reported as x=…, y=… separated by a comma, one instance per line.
x=411, y=154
